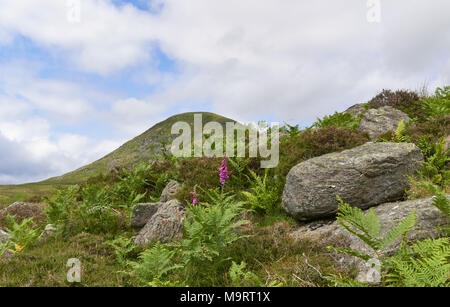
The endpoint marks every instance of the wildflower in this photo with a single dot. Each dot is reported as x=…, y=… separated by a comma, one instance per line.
x=223, y=171
x=194, y=200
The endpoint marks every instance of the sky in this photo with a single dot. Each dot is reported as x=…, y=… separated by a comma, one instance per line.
x=78, y=78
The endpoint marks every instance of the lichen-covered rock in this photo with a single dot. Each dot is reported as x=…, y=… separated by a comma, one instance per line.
x=390, y=214
x=379, y=121
x=357, y=110
x=364, y=176
x=165, y=225
x=22, y=210
x=142, y=213
x=169, y=191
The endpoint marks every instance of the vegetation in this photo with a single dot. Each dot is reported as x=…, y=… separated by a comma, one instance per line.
x=237, y=234
x=340, y=120
x=421, y=264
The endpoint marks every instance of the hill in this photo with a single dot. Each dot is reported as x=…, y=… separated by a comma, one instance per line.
x=142, y=148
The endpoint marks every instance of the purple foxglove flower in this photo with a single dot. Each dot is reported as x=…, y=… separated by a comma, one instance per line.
x=194, y=200
x=223, y=171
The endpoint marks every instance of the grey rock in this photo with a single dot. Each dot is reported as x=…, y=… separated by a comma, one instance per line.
x=170, y=191
x=356, y=110
x=49, y=231
x=165, y=225
x=4, y=237
x=142, y=213
x=389, y=214
x=364, y=176
x=379, y=121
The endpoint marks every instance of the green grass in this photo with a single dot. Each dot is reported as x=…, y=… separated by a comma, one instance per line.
x=12, y=193
x=269, y=252
x=142, y=148
x=45, y=264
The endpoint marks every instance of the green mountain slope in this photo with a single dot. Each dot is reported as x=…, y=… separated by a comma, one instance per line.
x=142, y=148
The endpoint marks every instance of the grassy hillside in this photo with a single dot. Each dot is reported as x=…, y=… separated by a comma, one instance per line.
x=142, y=148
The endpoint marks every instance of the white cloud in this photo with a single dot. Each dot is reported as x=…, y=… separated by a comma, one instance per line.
x=107, y=38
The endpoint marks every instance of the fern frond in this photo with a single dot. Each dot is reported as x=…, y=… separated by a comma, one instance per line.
x=367, y=224
x=399, y=231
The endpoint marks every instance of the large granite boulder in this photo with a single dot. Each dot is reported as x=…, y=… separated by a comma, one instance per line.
x=390, y=214
x=165, y=225
x=364, y=176
x=379, y=121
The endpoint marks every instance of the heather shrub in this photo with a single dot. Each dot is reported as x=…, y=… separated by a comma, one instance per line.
x=316, y=142
x=436, y=127
x=404, y=100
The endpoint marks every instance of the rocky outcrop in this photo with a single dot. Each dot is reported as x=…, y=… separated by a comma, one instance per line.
x=379, y=121
x=165, y=225
x=365, y=176
x=390, y=214
x=170, y=191
x=357, y=110
x=142, y=213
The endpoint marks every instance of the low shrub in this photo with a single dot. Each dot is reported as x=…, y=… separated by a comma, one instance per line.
x=404, y=100
x=316, y=142
x=204, y=171
x=23, y=234
x=264, y=195
x=340, y=120
x=209, y=229
x=437, y=105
